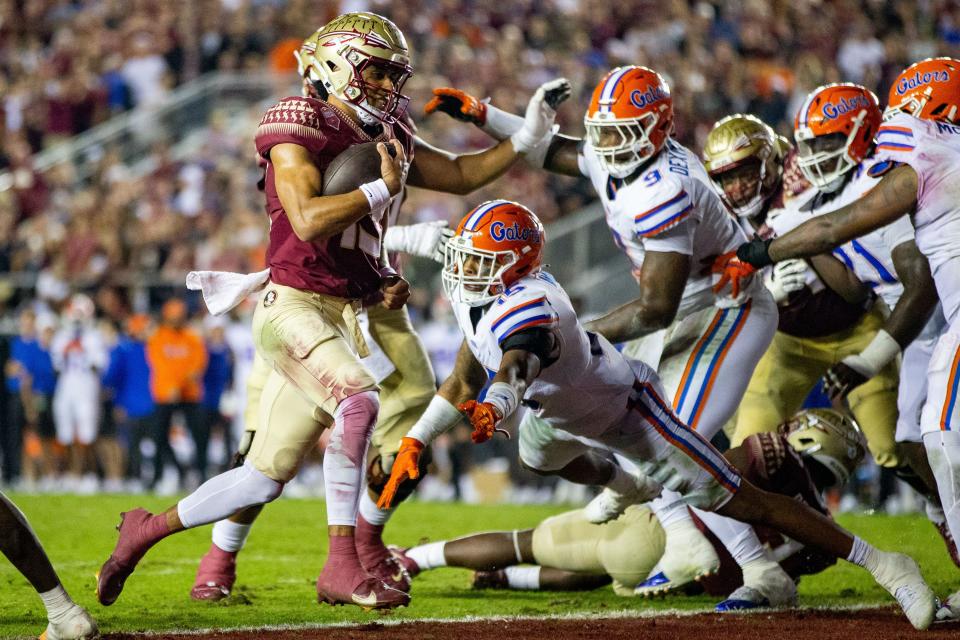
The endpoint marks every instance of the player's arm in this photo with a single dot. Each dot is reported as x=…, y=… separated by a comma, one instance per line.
x=893, y=197
x=662, y=279
x=438, y=170
x=314, y=216
x=441, y=415
x=563, y=156
x=905, y=323
x=840, y=279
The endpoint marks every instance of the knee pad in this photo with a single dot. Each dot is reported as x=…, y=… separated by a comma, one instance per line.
x=260, y=487
x=378, y=474
x=358, y=413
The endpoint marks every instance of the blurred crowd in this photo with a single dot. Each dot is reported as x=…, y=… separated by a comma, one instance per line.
x=126, y=233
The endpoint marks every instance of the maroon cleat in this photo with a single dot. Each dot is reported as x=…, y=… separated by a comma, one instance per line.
x=408, y=563
x=948, y=540
x=376, y=558
x=336, y=588
x=139, y=530
x=215, y=575
x=490, y=580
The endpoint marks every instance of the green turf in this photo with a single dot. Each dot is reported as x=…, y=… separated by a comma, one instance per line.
x=287, y=548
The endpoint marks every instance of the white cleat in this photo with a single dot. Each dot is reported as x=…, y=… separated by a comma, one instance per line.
x=76, y=625
x=900, y=575
x=950, y=610
x=609, y=504
x=687, y=557
x=765, y=584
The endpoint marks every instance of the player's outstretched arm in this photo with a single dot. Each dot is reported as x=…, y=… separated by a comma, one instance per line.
x=893, y=197
x=313, y=215
x=904, y=324
x=435, y=169
x=518, y=368
x=662, y=280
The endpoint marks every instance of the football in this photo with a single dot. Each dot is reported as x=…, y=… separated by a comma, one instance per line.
x=355, y=166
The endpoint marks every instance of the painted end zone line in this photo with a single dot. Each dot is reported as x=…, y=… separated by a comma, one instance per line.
x=578, y=615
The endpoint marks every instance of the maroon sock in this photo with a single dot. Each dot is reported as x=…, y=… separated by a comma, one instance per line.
x=369, y=542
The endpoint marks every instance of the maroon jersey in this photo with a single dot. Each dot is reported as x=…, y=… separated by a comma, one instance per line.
x=774, y=466
x=349, y=264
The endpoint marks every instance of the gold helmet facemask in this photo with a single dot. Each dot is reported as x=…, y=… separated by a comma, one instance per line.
x=335, y=58
x=743, y=143
x=829, y=437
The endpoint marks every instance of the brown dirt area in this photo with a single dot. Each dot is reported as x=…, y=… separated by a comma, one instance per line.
x=872, y=624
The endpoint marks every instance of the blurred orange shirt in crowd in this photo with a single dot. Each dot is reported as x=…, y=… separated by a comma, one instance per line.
x=177, y=360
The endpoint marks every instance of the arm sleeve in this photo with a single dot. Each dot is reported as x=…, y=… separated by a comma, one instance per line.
x=539, y=341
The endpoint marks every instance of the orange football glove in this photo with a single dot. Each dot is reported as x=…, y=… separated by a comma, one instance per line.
x=457, y=104
x=731, y=270
x=406, y=465
x=484, y=418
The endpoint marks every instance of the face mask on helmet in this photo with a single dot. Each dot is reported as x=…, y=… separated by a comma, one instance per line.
x=744, y=160
x=742, y=187
x=629, y=119
x=834, y=131
x=496, y=244
x=929, y=90
x=830, y=438
x=361, y=59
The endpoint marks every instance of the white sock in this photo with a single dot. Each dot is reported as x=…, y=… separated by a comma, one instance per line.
x=864, y=554
x=229, y=535
x=344, y=460
x=57, y=602
x=670, y=509
x=739, y=538
x=371, y=512
x=428, y=556
x=526, y=578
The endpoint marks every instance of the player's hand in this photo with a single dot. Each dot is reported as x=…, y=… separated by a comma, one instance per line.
x=395, y=292
x=540, y=114
x=458, y=104
x=755, y=252
x=484, y=417
x=841, y=379
x=785, y=278
x=392, y=159
x=406, y=466
x=731, y=271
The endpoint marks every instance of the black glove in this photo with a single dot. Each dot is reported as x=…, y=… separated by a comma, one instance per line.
x=841, y=379
x=755, y=252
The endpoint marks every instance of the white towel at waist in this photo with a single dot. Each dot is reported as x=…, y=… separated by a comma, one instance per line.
x=223, y=290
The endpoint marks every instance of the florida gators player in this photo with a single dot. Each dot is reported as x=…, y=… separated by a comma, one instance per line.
x=665, y=215
x=920, y=134
x=520, y=326
x=325, y=259
x=814, y=450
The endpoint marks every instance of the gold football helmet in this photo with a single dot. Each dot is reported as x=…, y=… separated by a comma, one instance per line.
x=829, y=437
x=742, y=149
x=333, y=60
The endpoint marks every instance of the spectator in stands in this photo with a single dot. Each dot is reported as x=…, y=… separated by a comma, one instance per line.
x=23, y=350
x=127, y=379
x=177, y=359
x=41, y=459
x=217, y=377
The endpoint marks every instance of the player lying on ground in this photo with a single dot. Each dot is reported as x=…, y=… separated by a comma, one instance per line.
x=920, y=137
x=67, y=620
x=815, y=450
x=326, y=261
x=580, y=393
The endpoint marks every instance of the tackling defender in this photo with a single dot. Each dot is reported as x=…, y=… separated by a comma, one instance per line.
x=325, y=259
x=520, y=326
x=815, y=450
x=665, y=215
x=919, y=136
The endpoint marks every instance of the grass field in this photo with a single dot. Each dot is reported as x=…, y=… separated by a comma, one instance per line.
x=286, y=550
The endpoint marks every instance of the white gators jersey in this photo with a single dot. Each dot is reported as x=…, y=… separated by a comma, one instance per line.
x=586, y=390
x=932, y=149
x=869, y=257
x=671, y=207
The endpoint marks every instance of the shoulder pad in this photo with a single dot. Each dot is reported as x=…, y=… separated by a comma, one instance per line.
x=519, y=308
x=667, y=205
x=294, y=120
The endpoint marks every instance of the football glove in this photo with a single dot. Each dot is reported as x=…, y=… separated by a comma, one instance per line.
x=731, y=271
x=484, y=417
x=405, y=466
x=785, y=278
x=841, y=379
x=457, y=104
